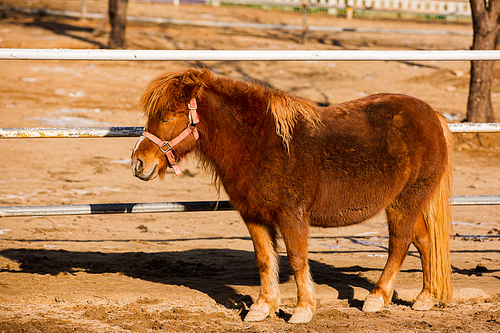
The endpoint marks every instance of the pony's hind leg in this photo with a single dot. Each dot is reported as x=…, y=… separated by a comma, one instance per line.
x=264, y=241
x=424, y=300
x=400, y=222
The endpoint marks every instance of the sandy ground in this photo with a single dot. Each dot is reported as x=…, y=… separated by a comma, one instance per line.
x=195, y=272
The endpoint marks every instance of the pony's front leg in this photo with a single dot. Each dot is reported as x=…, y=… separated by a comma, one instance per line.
x=264, y=242
x=295, y=236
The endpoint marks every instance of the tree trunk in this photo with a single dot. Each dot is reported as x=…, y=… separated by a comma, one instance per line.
x=485, y=15
x=117, y=18
x=479, y=107
x=497, y=41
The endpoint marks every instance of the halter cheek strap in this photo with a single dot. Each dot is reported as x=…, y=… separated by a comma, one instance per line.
x=166, y=146
x=193, y=115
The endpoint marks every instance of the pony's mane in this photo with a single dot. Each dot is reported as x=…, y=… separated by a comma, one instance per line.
x=286, y=109
x=166, y=89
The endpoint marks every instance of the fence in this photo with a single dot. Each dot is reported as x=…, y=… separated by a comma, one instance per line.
x=247, y=55
x=203, y=23
x=87, y=132
x=435, y=7
x=457, y=7
x=167, y=207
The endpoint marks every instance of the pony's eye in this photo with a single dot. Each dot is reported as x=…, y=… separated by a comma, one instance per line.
x=164, y=121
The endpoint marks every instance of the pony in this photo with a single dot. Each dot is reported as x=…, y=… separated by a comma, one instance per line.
x=288, y=165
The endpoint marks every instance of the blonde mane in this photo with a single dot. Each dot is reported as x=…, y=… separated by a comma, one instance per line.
x=286, y=109
x=163, y=91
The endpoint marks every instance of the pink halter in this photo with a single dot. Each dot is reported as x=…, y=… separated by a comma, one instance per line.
x=166, y=146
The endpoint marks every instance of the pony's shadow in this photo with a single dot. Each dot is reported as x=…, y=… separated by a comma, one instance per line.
x=211, y=271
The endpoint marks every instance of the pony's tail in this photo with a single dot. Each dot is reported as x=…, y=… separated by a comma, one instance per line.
x=437, y=216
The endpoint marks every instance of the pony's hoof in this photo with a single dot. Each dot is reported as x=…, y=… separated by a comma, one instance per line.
x=258, y=313
x=423, y=304
x=301, y=315
x=373, y=303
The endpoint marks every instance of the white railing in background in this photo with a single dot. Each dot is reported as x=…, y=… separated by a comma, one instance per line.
x=248, y=55
x=457, y=7
x=418, y=6
x=434, y=7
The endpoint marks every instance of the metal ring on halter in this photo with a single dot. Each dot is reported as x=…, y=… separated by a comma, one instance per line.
x=169, y=147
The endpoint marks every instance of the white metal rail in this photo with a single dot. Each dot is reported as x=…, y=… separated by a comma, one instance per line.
x=247, y=55
x=100, y=132
x=176, y=207
x=115, y=208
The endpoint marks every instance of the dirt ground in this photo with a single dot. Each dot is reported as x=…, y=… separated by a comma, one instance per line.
x=195, y=272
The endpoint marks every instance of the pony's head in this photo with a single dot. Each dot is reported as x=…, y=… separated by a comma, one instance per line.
x=170, y=130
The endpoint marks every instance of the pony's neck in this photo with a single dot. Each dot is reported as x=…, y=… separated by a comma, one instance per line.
x=234, y=125
x=232, y=106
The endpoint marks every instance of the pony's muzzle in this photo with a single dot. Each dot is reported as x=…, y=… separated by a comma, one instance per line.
x=140, y=170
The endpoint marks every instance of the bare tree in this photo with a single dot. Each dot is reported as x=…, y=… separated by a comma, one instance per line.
x=485, y=19
x=497, y=41
x=117, y=12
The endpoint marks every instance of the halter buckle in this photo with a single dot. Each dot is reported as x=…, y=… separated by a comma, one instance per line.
x=165, y=144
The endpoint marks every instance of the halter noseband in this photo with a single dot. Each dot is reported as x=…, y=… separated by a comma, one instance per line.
x=166, y=146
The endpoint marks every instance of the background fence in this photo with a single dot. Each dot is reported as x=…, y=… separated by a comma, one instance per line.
x=458, y=10
x=457, y=7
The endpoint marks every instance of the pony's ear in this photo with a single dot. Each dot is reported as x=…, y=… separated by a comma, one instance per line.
x=189, y=91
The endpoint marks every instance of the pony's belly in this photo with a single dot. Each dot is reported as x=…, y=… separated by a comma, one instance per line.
x=344, y=216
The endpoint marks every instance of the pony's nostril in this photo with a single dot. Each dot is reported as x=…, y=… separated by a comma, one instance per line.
x=139, y=165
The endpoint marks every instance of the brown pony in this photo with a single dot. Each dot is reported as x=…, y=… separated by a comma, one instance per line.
x=288, y=165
